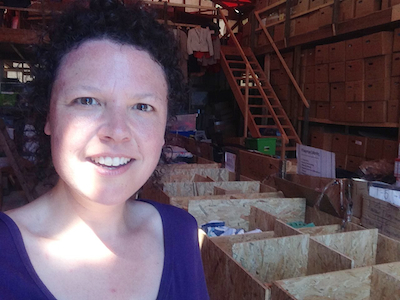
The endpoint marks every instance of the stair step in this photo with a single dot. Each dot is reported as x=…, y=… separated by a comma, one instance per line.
x=257, y=105
x=238, y=69
x=260, y=116
x=238, y=62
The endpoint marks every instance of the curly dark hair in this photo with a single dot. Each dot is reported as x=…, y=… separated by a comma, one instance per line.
x=102, y=19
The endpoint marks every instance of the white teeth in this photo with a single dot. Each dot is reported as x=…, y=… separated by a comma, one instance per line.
x=111, y=162
x=108, y=161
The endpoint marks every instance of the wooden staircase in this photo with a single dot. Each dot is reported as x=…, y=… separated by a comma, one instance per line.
x=263, y=113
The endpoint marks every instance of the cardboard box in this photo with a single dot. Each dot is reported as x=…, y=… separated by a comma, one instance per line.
x=353, y=163
x=396, y=40
x=309, y=91
x=299, y=6
x=377, y=89
x=375, y=111
x=366, y=7
x=316, y=3
x=346, y=10
x=337, y=111
x=396, y=64
x=309, y=74
x=393, y=112
x=339, y=143
x=395, y=89
x=337, y=72
x=279, y=77
x=340, y=160
x=322, y=92
x=354, y=49
x=354, y=112
x=282, y=91
x=288, y=58
x=279, y=32
x=357, y=146
x=379, y=43
x=274, y=63
x=390, y=149
x=313, y=21
x=338, y=93
x=322, y=54
x=299, y=25
x=308, y=57
x=325, y=16
x=323, y=110
x=337, y=52
x=260, y=4
x=261, y=39
x=354, y=91
x=321, y=140
x=377, y=67
x=374, y=148
x=313, y=109
x=355, y=70
x=321, y=73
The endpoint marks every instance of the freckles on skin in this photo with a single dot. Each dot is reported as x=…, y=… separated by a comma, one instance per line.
x=118, y=78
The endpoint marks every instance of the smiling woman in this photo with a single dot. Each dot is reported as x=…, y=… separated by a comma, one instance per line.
x=107, y=78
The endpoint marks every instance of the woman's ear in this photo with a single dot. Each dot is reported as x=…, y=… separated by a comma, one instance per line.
x=47, y=127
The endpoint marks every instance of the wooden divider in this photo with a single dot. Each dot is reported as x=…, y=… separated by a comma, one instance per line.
x=226, y=278
x=351, y=284
x=216, y=174
x=380, y=282
x=183, y=202
x=358, y=245
x=235, y=212
x=274, y=259
x=189, y=189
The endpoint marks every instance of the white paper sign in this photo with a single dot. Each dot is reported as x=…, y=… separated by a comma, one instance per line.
x=230, y=162
x=315, y=162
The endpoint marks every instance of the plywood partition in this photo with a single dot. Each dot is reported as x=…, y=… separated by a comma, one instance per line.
x=322, y=259
x=388, y=250
x=358, y=245
x=189, y=189
x=385, y=282
x=183, y=202
x=216, y=174
x=282, y=229
x=226, y=242
x=380, y=282
x=226, y=278
x=273, y=259
x=343, y=285
x=235, y=212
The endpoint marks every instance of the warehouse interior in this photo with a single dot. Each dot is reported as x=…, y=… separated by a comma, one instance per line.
x=290, y=132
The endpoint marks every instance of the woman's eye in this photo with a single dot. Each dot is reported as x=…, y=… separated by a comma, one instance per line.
x=87, y=101
x=143, y=107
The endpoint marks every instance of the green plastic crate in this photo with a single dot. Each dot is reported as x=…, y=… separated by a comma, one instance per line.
x=264, y=145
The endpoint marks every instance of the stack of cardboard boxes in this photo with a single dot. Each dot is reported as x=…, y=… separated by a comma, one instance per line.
x=310, y=15
x=355, y=81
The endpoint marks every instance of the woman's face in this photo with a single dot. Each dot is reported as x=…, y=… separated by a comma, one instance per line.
x=107, y=120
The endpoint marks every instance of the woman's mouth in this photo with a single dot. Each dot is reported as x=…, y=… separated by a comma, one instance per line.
x=110, y=162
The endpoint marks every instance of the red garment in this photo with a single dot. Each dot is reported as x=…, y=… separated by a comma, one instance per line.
x=199, y=54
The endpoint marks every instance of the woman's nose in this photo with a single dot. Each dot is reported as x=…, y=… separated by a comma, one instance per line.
x=115, y=126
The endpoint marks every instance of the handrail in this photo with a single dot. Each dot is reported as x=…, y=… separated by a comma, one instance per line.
x=288, y=72
x=255, y=78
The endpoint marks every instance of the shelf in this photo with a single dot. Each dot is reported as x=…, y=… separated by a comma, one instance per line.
x=376, y=19
x=323, y=121
x=296, y=15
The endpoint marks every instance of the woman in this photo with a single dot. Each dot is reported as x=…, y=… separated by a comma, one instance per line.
x=110, y=75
